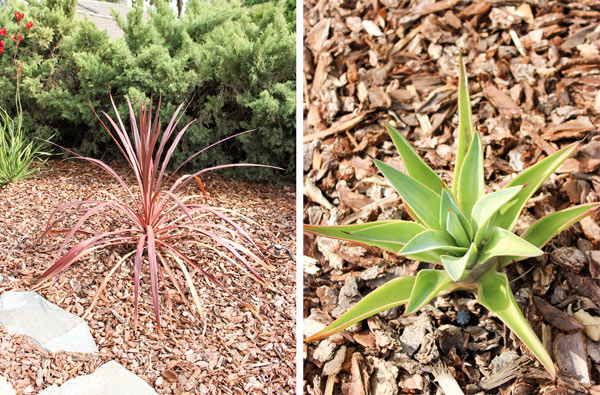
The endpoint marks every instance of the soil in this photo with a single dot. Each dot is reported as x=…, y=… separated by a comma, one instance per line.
x=238, y=352
x=534, y=80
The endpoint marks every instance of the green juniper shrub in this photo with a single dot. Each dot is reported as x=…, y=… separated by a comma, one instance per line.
x=234, y=64
x=289, y=7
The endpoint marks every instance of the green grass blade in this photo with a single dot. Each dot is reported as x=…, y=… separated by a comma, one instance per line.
x=388, y=235
x=470, y=180
x=455, y=266
x=533, y=178
x=415, y=165
x=422, y=201
x=495, y=295
x=391, y=294
x=465, y=122
x=428, y=284
x=505, y=243
x=544, y=229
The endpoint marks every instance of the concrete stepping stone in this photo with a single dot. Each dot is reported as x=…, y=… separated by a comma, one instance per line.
x=45, y=323
x=109, y=379
x=6, y=388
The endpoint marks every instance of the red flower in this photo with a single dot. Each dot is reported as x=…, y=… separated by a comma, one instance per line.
x=1, y=50
x=29, y=25
x=20, y=37
x=3, y=32
x=2, y=44
x=19, y=16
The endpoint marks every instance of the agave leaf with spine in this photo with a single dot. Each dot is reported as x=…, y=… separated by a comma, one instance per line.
x=468, y=233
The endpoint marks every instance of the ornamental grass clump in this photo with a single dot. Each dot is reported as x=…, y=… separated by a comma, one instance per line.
x=159, y=226
x=17, y=152
x=465, y=231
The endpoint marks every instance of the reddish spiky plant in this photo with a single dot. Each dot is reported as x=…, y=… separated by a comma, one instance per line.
x=158, y=221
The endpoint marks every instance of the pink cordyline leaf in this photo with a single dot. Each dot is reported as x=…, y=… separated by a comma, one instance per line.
x=207, y=275
x=224, y=243
x=232, y=223
x=153, y=273
x=182, y=181
x=154, y=218
x=204, y=149
x=50, y=224
x=103, y=166
x=80, y=222
x=112, y=204
x=182, y=205
x=173, y=279
x=79, y=250
x=137, y=270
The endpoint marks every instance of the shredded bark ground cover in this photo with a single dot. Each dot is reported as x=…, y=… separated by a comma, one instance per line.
x=534, y=72
x=238, y=353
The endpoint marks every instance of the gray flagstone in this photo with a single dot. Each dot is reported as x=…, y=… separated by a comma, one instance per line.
x=6, y=388
x=109, y=379
x=45, y=323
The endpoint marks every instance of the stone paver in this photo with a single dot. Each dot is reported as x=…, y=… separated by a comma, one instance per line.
x=109, y=379
x=45, y=323
x=6, y=388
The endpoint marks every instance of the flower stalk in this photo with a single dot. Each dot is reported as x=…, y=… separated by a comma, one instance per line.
x=17, y=153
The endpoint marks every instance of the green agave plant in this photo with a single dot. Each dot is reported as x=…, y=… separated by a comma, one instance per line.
x=462, y=229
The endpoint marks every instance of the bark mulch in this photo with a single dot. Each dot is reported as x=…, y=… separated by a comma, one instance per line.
x=534, y=73
x=237, y=354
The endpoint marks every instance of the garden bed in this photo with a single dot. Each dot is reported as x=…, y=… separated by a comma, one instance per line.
x=534, y=79
x=238, y=353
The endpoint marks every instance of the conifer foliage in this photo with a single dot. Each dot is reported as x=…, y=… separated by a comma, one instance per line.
x=236, y=64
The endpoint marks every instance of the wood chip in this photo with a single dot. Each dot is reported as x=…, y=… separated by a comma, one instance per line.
x=501, y=101
x=340, y=126
x=183, y=359
x=570, y=354
x=556, y=317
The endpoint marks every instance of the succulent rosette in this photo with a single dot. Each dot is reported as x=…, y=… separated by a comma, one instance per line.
x=463, y=230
